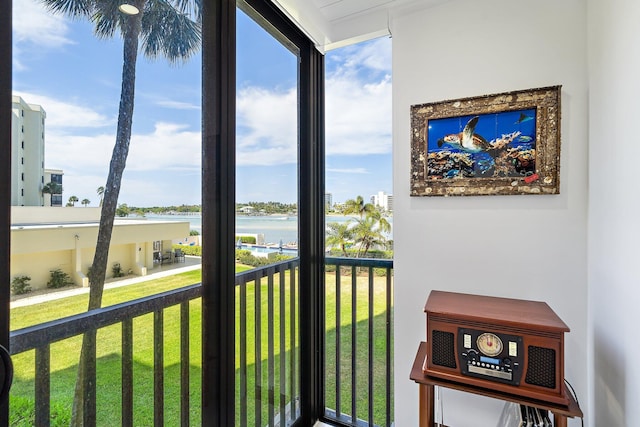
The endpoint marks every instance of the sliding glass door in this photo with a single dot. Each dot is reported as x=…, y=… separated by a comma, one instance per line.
x=262, y=218
x=267, y=236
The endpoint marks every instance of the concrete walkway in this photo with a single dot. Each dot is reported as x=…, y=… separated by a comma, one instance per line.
x=191, y=263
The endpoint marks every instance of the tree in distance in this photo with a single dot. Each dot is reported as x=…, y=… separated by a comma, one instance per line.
x=52, y=188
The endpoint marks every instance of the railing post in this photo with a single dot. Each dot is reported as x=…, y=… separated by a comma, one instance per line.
x=185, y=364
x=158, y=368
x=43, y=391
x=127, y=373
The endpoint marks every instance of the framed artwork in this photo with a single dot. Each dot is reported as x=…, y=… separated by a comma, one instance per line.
x=506, y=143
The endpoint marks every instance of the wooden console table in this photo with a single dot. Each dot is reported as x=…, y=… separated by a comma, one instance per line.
x=427, y=384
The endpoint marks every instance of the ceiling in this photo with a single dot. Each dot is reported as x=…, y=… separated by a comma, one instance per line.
x=335, y=23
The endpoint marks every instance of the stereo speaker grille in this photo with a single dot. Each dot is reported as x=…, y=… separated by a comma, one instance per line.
x=442, y=349
x=541, y=369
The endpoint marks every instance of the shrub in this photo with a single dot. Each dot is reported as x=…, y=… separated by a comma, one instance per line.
x=117, y=270
x=20, y=285
x=59, y=279
x=247, y=239
x=189, y=250
x=245, y=257
x=194, y=233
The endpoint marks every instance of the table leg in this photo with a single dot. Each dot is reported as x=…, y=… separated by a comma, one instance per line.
x=559, y=420
x=426, y=405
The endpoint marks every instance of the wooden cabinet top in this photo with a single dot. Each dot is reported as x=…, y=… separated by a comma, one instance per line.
x=478, y=308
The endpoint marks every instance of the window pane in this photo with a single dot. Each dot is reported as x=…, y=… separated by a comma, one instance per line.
x=67, y=99
x=267, y=228
x=359, y=218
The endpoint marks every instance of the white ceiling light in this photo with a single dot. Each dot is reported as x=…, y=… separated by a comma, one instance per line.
x=128, y=9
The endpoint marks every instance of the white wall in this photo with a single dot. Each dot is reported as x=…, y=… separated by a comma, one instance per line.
x=528, y=247
x=614, y=203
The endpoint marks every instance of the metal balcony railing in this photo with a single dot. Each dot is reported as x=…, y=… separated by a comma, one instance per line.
x=359, y=342
x=358, y=360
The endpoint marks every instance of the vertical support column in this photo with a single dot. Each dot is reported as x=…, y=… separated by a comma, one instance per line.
x=311, y=223
x=5, y=181
x=218, y=212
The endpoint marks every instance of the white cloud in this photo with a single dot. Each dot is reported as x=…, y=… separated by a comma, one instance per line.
x=159, y=163
x=64, y=115
x=177, y=105
x=358, y=116
x=170, y=147
x=267, y=126
x=358, y=111
x=374, y=55
x=349, y=171
x=33, y=23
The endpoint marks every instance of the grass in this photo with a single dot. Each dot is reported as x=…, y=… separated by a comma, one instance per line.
x=65, y=354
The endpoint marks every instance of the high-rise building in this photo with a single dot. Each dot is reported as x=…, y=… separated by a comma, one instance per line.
x=27, y=153
x=383, y=200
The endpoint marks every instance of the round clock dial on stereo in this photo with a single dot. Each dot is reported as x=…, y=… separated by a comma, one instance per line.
x=489, y=344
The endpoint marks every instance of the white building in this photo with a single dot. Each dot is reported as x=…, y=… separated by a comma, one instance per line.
x=27, y=153
x=382, y=200
x=44, y=239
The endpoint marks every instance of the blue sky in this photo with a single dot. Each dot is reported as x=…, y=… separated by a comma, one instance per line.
x=59, y=64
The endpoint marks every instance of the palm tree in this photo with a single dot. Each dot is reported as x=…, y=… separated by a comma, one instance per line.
x=52, y=188
x=169, y=28
x=358, y=206
x=339, y=234
x=85, y=202
x=73, y=200
x=100, y=192
x=369, y=235
x=382, y=224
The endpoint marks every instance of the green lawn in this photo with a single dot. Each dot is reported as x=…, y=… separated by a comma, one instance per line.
x=64, y=354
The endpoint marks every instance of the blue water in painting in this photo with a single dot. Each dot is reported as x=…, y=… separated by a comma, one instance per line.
x=490, y=127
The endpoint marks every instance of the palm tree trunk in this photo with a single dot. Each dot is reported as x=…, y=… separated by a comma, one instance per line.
x=84, y=410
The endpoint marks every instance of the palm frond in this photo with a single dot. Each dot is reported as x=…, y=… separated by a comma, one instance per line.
x=107, y=18
x=72, y=8
x=191, y=8
x=168, y=32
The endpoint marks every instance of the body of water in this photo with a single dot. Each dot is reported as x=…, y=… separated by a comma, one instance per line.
x=275, y=228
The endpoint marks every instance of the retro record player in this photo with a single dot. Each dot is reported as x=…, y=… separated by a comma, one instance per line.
x=509, y=345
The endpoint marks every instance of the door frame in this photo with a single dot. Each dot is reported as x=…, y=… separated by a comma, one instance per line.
x=218, y=208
